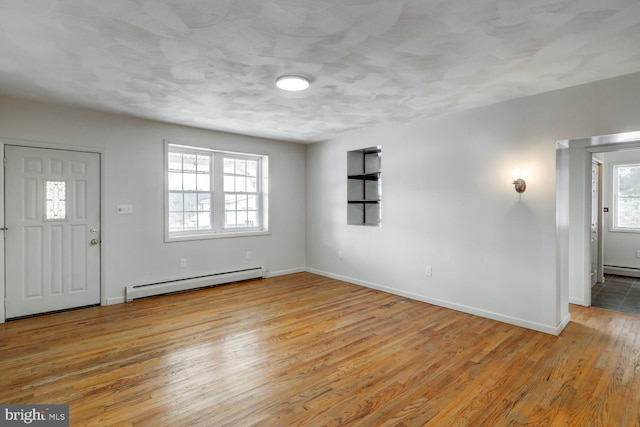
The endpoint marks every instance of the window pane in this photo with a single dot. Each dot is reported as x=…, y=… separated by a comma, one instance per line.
x=175, y=161
x=229, y=166
x=204, y=221
x=252, y=218
x=242, y=219
x=241, y=184
x=190, y=202
x=230, y=219
x=204, y=163
x=189, y=180
x=190, y=220
x=189, y=162
x=252, y=184
x=628, y=213
x=628, y=180
x=252, y=168
x=241, y=167
x=175, y=202
x=56, y=198
x=228, y=183
x=176, y=222
x=230, y=202
x=242, y=202
x=252, y=202
x=175, y=181
x=204, y=202
x=203, y=182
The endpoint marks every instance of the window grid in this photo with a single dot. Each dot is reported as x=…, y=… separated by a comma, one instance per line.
x=241, y=192
x=210, y=193
x=627, y=197
x=190, y=191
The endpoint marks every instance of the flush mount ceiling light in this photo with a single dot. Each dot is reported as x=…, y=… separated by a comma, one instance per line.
x=292, y=83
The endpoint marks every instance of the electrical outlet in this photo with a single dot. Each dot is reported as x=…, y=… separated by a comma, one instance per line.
x=428, y=271
x=183, y=262
x=248, y=255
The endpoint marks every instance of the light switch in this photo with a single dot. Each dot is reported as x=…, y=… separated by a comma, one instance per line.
x=124, y=209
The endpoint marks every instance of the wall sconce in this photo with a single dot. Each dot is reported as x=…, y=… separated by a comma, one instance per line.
x=518, y=180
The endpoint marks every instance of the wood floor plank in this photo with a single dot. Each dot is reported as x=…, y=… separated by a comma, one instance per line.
x=307, y=350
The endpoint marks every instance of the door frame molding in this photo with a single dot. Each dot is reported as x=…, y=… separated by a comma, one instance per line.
x=103, y=229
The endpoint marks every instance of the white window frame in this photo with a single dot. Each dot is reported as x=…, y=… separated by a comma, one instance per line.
x=614, y=198
x=218, y=229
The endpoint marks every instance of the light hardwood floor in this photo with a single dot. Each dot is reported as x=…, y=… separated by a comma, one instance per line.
x=305, y=350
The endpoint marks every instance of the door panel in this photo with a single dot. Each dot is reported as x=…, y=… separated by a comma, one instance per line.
x=52, y=214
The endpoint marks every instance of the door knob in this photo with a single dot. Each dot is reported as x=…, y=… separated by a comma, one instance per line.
x=94, y=242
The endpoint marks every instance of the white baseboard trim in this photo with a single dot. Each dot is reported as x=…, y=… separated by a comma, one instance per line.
x=577, y=301
x=548, y=329
x=285, y=272
x=622, y=271
x=114, y=300
x=563, y=323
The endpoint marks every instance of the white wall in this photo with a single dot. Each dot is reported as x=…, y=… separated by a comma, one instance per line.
x=448, y=202
x=2, y=252
x=619, y=247
x=133, y=150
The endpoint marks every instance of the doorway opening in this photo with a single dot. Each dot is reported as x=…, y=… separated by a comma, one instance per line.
x=618, y=211
x=575, y=210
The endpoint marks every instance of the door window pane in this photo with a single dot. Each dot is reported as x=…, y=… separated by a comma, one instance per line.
x=56, y=200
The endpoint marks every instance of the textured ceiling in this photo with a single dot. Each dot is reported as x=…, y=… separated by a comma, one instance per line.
x=212, y=63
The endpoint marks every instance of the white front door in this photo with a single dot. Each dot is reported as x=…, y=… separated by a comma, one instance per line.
x=52, y=241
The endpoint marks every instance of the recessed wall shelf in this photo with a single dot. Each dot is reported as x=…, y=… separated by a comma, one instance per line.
x=364, y=196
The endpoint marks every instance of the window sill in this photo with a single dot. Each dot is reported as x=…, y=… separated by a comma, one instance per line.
x=224, y=235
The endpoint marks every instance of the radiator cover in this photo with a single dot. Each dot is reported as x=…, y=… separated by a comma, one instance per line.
x=133, y=292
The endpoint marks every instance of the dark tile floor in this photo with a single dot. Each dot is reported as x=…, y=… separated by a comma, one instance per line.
x=617, y=293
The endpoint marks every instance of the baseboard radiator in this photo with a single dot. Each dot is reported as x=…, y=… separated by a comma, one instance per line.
x=133, y=292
